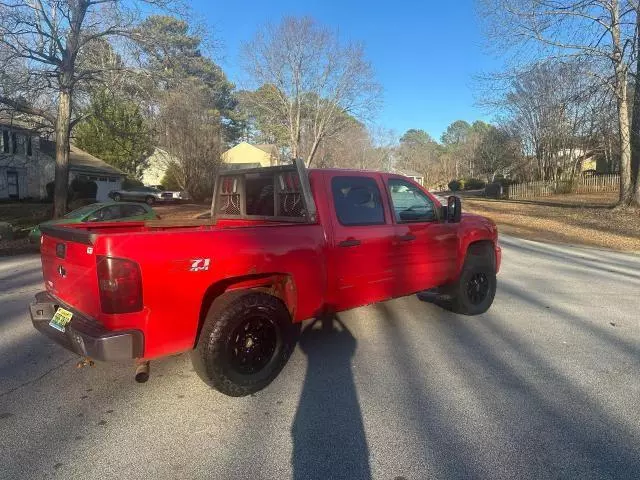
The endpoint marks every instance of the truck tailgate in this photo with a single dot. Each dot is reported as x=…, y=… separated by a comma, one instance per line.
x=69, y=269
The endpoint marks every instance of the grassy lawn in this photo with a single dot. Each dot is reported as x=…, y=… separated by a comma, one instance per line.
x=583, y=219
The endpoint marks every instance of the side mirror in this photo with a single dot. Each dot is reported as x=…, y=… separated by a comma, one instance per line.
x=454, y=209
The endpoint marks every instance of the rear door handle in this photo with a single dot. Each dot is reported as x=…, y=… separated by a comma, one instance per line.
x=351, y=242
x=406, y=238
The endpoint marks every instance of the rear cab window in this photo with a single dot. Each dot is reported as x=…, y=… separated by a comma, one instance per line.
x=357, y=200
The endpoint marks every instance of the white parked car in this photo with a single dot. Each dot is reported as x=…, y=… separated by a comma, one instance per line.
x=171, y=195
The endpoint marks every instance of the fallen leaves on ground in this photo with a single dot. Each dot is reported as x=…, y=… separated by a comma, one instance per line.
x=582, y=219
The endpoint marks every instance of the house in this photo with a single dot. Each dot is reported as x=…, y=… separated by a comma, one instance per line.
x=27, y=165
x=415, y=176
x=589, y=162
x=244, y=154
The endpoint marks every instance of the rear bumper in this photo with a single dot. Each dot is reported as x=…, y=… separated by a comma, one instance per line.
x=85, y=336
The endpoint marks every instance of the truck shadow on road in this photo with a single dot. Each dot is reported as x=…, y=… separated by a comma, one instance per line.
x=550, y=425
x=328, y=434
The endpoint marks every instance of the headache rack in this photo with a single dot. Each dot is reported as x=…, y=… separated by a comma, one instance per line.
x=280, y=193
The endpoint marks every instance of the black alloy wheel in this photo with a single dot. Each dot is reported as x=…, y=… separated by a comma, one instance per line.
x=252, y=344
x=477, y=288
x=246, y=340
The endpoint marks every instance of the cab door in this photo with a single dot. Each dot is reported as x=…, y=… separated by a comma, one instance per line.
x=426, y=247
x=360, y=267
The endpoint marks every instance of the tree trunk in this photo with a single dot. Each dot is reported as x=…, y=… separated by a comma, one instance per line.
x=312, y=153
x=294, y=146
x=626, y=190
x=63, y=123
x=635, y=131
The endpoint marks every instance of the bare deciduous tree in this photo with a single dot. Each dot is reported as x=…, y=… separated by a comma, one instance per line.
x=553, y=108
x=419, y=152
x=496, y=152
x=314, y=82
x=600, y=33
x=49, y=37
x=190, y=131
x=357, y=146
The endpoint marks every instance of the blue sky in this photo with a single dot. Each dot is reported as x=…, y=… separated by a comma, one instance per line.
x=425, y=53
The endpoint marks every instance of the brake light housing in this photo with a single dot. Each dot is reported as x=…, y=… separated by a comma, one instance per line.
x=120, y=285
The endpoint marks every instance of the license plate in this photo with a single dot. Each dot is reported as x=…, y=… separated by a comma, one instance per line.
x=60, y=319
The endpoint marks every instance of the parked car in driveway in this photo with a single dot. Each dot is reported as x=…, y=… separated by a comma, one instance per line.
x=100, y=212
x=171, y=195
x=149, y=195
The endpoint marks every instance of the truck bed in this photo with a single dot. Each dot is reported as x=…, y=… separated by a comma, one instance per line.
x=179, y=262
x=87, y=233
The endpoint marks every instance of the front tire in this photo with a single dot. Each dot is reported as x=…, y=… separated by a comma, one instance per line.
x=150, y=201
x=475, y=289
x=246, y=340
x=117, y=197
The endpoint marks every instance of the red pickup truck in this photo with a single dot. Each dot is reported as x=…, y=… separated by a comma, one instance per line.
x=284, y=244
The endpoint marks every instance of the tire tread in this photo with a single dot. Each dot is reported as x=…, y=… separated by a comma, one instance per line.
x=208, y=356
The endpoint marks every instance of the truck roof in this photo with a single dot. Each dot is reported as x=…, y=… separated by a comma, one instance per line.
x=351, y=170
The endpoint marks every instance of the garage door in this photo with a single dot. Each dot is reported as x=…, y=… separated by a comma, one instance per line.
x=105, y=186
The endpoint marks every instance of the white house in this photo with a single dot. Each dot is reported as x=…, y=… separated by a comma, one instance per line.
x=27, y=165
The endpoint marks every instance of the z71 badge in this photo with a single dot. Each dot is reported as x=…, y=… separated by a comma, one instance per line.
x=200, y=264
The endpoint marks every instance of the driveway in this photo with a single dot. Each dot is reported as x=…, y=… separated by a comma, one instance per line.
x=544, y=385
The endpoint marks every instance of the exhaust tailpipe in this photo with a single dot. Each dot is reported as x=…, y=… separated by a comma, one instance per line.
x=142, y=372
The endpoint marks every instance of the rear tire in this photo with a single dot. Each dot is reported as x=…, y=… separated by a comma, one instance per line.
x=246, y=340
x=150, y=201
x=117, y=197
x=475, y=289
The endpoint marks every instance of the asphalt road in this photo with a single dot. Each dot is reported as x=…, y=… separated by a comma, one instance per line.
x=544, y=385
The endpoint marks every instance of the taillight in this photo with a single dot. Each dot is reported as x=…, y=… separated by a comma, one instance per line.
x=120, y=285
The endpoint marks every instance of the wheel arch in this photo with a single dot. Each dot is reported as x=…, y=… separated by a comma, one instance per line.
x=478, y=248
x=279, y=285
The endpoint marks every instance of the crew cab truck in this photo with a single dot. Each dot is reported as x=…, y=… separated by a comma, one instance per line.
x=284, y=244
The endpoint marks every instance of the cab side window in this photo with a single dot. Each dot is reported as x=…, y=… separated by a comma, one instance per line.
x=357, y=201
x=410, y=204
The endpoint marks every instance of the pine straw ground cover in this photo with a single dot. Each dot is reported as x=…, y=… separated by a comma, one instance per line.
x=581, y=219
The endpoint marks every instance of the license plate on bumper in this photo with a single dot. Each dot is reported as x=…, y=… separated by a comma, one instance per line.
x=60, y=319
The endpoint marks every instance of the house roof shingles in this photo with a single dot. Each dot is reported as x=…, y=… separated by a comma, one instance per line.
x=80, y=160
